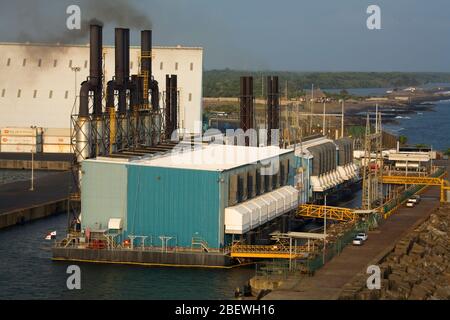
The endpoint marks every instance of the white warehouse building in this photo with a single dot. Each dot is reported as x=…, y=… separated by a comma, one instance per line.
x=39, y=85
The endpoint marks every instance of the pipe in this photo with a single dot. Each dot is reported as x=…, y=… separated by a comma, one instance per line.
x=94, y=81
x=92, y=84
x=146, y=48
x=168, y=110
x=174, y=101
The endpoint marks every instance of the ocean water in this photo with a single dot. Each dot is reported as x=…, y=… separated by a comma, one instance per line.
x=429, y=127
x=27, y=272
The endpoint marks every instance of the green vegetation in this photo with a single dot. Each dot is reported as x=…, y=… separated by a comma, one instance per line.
x=225, y=83
x=447, y=152
x=403, y=140
x=356, y=131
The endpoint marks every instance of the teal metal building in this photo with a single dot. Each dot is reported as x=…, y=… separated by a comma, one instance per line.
x=184, y=195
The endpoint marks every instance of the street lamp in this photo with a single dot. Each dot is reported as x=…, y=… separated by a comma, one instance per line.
x=324, y=227
x=32, y=161
x=75, y=70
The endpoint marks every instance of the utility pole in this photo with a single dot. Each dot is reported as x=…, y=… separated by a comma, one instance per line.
x=342, y=119
x=32, y=171
x=324, y=228
x=312, y=108
x=32, y=162
x=324, y=119
x=262, y=86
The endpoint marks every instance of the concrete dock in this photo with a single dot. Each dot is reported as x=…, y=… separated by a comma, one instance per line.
x=328, y=282
x=42, y=161
x=18, y=204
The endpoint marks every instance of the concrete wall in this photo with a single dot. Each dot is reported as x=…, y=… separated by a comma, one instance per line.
x=21, y=216
x=47, y=92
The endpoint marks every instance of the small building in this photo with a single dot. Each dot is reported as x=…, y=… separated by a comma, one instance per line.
x=317, y=96
x=414, y=160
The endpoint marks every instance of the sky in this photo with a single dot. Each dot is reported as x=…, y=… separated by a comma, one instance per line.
x=283, y=35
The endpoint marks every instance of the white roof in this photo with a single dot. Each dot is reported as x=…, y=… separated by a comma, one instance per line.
x=214, y=157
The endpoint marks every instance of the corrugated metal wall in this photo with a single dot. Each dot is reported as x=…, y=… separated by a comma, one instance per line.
x=104, y=194
x=176, y=203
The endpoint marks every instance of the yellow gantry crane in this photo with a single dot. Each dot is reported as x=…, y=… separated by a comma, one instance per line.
x=426, y=181
x=333, y=213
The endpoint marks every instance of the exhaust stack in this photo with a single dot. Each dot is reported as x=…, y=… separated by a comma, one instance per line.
x=92, y=84
x=171, y=111
x=273, y=110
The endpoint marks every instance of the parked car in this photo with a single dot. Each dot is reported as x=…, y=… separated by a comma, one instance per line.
x=410, y=204
x=362, y=235
x=358, y=242
x=415, y=199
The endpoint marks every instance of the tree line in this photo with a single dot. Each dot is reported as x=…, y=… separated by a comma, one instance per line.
x=225, y=83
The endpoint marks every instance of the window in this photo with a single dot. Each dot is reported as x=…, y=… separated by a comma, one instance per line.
x=39, y=62
x=70, y=64
x=85, y=64
x=66, y=95
x=50, y=94
x=192, y=66
x=55, y=63
x=24, y=62
x=131, y=65
x=190, y=96
x=19, y=92
x=160, y=66
x=3, y=93
x=35, y=94
x=8, y=63
x=176, y=65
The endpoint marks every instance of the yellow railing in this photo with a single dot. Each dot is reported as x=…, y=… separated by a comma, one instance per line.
x=426, y=181
x=333, y=213
x=276, y=251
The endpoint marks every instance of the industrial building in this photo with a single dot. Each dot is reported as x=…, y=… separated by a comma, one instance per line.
x=42, y=81
x=152, y=195
x=328, y=166
x=216, y=193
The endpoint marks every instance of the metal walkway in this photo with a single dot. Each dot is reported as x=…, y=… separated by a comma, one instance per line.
x=333, y=213
x=427, y=181
x=276, y=251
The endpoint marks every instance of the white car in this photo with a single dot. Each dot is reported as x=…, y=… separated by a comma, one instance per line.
x=362, y=235
x=410, y=204
x=415, y=199
x=358, y=242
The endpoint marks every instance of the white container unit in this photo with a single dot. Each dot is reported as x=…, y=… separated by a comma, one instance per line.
x=57, y=148
x=21, y=148
x=19, y=140
x=237, y=220
x=24, y=132
x=263, y=209
x=255, y=213
x=56, y=140
x=279, y=200
x=250, y=214
x=271, y=206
